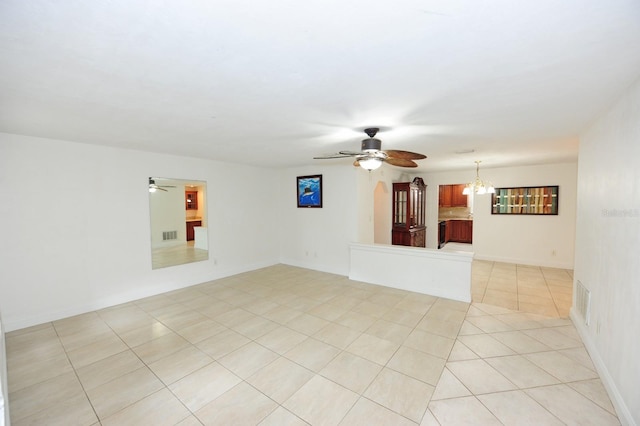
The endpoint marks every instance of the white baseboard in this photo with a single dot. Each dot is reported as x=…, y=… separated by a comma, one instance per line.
x=624, y=415
x=314, y=266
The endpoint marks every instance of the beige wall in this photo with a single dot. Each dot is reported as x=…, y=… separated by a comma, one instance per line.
x=608, y=247
x=77, y=233
x=522, y=239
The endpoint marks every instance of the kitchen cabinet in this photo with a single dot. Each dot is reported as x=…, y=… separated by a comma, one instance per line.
x=460, y=231
x=191, y=200
x=190, y=232
x=409, y=206
x=444, y=196
x=452, y=196
x=458, y=199
x=466, y=236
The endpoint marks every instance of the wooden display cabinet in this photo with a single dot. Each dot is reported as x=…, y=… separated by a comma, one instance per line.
x=409, y=206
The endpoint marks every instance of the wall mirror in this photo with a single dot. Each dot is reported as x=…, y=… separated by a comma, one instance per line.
x=178, y=220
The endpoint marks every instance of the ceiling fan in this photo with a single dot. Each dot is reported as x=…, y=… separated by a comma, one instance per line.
x=371, y=157
x=153, y=187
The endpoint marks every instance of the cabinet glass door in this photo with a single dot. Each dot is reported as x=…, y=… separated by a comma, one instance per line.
x=401, y=197
x=419, y=207
x=412, y=207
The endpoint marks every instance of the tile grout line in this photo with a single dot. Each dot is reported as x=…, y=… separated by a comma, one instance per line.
x=518, y=388
x=75, y=372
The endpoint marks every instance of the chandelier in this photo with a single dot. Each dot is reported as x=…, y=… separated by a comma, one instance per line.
x=478, y=186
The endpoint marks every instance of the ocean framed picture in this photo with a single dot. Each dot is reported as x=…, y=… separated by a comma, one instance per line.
x=309, y=191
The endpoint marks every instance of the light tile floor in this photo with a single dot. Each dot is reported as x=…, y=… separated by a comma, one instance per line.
x=545, y=291
x=180, y=254
x=289, y=346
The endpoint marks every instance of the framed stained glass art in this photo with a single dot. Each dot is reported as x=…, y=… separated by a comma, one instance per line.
x=527, y=200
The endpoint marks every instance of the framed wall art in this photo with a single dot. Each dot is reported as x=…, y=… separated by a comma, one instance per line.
x=309, y=191
x=536, y=200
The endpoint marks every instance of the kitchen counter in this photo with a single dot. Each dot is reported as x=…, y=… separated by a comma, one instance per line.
x=445, y=219
x=201, y=238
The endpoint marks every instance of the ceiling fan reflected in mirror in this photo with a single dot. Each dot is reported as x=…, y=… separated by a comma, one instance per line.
x=371, y=157
x=153, y=187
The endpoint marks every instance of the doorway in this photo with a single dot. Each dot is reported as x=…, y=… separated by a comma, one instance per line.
x=455, y=218
x=381, y=214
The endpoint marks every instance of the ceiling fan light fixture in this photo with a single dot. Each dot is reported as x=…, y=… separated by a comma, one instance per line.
x=370, y=163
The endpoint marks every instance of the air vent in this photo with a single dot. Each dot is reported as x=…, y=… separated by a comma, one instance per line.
x=583, y=301
x=169, y=235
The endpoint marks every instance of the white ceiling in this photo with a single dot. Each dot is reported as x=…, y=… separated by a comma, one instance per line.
x=277, y=82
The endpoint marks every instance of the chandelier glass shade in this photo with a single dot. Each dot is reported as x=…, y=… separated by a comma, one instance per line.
x=479, y=186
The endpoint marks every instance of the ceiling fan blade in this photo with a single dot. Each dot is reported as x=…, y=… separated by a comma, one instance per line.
x=157, y=188
x=356, y=163
x=351, y=153
x=165, y=186
x=330, y=156
x=405, y=155
x=401, y=162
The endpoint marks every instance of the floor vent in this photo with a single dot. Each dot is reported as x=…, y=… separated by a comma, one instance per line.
x=583, y=301
x=169, y=235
